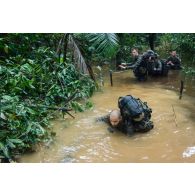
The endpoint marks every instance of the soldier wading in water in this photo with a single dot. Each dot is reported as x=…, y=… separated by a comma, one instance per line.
x=133, y=116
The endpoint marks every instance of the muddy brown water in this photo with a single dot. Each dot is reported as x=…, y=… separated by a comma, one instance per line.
x=83, y=140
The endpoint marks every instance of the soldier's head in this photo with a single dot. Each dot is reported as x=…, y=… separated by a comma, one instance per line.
x=173, y=53
x=134, y=52
x=115, y=117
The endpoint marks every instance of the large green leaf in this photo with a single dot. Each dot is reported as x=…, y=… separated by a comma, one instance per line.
x=106, y=43
x=5, y=150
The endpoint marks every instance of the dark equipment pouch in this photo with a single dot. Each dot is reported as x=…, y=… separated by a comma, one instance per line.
x=144, y=126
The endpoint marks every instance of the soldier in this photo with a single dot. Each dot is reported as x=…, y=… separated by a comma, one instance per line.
x=158, y=67
x=173, y=61
x=134, y=116
x=146, y=64
x=142, y=65
x=136, y=58
x=138, y=65
x=114, y=120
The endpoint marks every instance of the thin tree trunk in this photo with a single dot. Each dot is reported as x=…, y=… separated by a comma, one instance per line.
x=65, y=45
x=119, y=53
x=151, y=39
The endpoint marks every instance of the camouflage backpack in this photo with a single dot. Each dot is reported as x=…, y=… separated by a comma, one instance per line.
x=132, y=107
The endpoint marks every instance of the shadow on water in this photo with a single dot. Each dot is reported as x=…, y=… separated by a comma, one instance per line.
x=84, y=140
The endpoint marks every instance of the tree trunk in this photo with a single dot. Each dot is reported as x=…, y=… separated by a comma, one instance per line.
x=119, y=53
x=151, y=39
x=65, y=45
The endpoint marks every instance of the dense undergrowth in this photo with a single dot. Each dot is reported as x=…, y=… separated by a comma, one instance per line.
x=33, y=84
x=42, y=73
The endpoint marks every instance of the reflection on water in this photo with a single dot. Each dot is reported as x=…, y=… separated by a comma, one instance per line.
x=189, y=152
x=84, y=140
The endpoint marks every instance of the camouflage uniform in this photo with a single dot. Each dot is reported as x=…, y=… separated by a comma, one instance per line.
x=158, y=67
x=135, y=62
x=176, y=61
x=149, y=64
x=141, y=68
x=106, y=119
x=130, y=125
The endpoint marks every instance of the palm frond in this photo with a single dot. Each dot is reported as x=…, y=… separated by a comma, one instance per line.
x=79, y=59
x=106, y=43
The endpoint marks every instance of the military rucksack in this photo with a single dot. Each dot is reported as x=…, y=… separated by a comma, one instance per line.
x=132, y=107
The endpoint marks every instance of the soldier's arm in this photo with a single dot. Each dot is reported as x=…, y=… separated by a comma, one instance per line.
x=129, y=66
x=107, y=121
x=134, y=65
x=126, y=66
x=138, y=62
x=103, y=119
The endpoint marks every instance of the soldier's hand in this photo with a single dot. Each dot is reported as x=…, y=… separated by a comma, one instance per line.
x=121, y=66
x=124, y=64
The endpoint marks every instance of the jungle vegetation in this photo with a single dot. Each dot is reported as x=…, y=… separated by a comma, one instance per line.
x=41, y=74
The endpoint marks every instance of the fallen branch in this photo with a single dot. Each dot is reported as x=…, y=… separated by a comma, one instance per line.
x=63, y=109
x=71, y=97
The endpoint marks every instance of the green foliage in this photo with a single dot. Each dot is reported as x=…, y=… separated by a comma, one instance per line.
x=32, y=78
x=189, y=71
x=104, y=43
x=182, y=42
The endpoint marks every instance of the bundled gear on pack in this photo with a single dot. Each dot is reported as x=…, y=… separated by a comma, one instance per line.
x=149, y=55
x=157, y=67
x=135, y=113
x=141, y=70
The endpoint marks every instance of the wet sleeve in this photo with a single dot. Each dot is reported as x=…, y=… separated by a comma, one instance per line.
x=103, y=119
x=129, y=65
x=107, y=121
x=138, y=62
